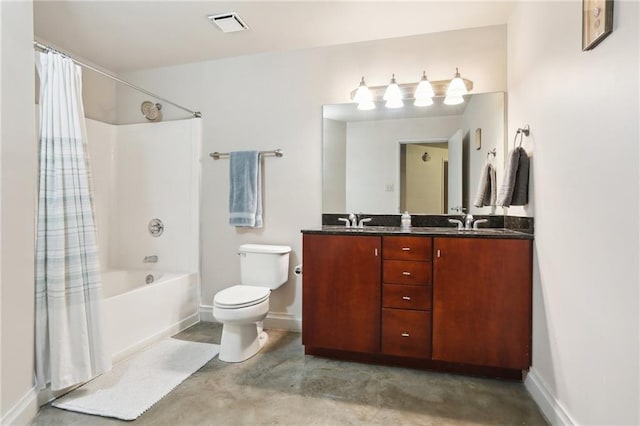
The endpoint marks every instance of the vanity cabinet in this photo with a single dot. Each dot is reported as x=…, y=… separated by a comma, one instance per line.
x=459, y=304
x=482, y=302
x=406, y=296
x=342, y=292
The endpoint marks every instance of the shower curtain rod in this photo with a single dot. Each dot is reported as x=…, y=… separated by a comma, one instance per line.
x=113, y=77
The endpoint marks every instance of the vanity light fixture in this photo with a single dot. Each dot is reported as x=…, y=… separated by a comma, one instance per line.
x=363, y=97
x=393, y=95
x=455, y=90
x=424, y=92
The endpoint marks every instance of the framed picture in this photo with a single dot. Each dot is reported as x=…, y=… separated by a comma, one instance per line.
x=597, y=22
x=478, y=138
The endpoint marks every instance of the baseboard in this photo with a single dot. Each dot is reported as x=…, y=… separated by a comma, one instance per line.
x=206, y=313
x=553, y=410
x=274, y=320
x=283, y=321
x=24, y=410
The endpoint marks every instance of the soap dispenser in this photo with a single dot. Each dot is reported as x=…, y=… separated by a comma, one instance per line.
x=405, y=221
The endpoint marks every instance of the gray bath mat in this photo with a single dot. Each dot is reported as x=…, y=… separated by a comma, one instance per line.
x=135, y=384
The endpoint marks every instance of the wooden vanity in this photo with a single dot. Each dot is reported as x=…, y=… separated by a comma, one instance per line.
x=450, y=302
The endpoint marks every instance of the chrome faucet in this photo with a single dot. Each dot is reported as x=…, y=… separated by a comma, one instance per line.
x=361, y=222
x=150, y=259
x=467, y=218
x=478, y=222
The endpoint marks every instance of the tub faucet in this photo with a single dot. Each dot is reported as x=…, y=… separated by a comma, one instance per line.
x=150, y=259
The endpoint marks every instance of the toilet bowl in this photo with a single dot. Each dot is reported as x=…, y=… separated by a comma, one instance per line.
x=242, y=308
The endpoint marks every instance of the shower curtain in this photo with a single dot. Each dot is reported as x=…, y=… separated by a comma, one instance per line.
x=70, y=343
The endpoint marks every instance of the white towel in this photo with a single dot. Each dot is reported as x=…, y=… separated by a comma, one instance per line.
x=514, y=190
x=486, y=195
x=245, y=189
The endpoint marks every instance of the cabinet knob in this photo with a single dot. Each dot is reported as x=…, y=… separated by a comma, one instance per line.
x=406, y=298
x=406, y=248
x=405, y=273
x=405, y=334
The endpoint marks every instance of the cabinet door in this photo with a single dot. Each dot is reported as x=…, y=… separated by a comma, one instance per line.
x=482, y=302
x=341, y=292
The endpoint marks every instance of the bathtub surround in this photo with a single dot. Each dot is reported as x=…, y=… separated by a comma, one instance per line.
x=135, y=385
x=70, y=343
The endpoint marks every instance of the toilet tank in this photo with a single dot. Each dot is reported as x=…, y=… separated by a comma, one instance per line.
x=264, y=265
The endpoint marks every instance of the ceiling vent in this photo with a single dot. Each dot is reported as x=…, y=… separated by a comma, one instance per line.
x=228, y=22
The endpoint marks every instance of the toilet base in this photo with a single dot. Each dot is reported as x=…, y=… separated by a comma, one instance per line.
x=240, y=342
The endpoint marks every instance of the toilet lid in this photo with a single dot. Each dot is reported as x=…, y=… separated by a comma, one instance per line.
x=240, y=296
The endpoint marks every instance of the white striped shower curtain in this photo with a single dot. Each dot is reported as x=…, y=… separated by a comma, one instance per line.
x=70, y=341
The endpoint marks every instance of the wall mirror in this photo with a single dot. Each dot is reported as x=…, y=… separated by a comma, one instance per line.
x=426, y=160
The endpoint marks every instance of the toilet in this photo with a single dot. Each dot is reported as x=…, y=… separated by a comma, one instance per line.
x=242, y=308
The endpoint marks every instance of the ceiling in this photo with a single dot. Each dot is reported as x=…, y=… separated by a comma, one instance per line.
x=131, y=35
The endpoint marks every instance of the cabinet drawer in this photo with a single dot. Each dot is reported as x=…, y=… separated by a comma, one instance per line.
x=406, y=248
x=406, y=333
x=406, y=296
x=405, y=272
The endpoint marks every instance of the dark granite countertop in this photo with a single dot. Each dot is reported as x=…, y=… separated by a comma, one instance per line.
x=501, y=233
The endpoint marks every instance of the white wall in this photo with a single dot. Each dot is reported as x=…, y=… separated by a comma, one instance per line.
x=156, y=176
x=373, y=158
x=18, y=154
x=583, y=111
x=487, y=113
x=275, y=100
x=334, y=166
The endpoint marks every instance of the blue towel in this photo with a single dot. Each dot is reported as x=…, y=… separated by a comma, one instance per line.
x=245, y=194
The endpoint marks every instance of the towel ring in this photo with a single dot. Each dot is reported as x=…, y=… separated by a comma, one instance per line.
x=521, y=131
x=490, y=153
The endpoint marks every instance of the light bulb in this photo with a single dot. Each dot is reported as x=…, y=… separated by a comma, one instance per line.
x=366, y=105
x=420, y=102
x=363, y=94
x=424, y=89
x=456, y=86
x=453, y=100
x=393, y=92
x=394, y=103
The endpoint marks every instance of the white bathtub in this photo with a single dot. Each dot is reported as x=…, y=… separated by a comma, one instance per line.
x=137, y=314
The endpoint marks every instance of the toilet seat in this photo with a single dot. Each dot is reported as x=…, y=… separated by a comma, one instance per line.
x=240, y=296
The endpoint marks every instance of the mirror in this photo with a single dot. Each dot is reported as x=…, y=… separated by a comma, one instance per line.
x=426, y=160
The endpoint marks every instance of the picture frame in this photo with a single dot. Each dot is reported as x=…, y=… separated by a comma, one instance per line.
x=478, y=138
x=597, y=22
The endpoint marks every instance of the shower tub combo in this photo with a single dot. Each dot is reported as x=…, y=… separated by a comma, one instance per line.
x=144, y=306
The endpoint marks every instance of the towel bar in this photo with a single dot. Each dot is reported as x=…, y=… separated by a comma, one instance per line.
x=218, y=155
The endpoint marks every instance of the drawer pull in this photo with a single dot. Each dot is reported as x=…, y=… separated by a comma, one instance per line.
x=406, y=248
x=405, y=273
x=406, y=298
x=405, y=334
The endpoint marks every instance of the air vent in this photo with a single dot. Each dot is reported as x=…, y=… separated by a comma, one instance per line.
x=228, y=22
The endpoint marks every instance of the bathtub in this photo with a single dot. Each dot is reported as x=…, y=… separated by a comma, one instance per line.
x=144, y=306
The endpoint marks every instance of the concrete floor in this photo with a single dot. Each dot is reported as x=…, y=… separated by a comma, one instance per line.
x=281, y=385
